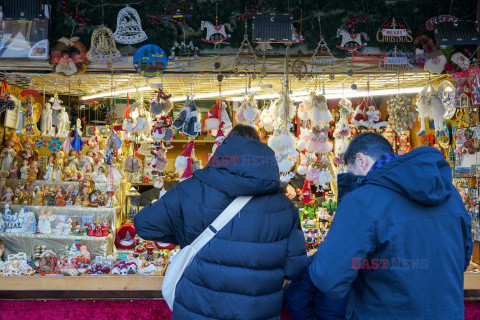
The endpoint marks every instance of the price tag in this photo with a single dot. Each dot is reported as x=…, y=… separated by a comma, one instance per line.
x=198, y=127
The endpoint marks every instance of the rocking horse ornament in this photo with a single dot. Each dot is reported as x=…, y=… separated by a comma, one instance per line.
x=355, y=38
x=212, y=30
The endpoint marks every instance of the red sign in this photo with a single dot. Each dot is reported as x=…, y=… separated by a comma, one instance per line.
x=31, y=92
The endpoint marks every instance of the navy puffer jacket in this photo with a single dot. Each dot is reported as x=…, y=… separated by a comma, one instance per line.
x=239, y=274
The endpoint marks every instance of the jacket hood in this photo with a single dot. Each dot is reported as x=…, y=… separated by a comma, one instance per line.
x=241, y=167
x=347, y=182
x=422, y=175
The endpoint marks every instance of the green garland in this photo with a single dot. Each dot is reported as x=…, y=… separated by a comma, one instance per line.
x=333, y=14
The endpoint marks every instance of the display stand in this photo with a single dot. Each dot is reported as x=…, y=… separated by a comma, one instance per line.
x=25, y=242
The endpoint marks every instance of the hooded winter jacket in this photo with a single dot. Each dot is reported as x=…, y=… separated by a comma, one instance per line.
x=399, y=244
x=239, y=274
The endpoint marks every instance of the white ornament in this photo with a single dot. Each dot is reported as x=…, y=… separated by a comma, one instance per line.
x=129, y=27
x=431, y=107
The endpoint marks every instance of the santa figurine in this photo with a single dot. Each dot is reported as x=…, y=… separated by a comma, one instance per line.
x=97, y=232
x=212, y=122
x=305, y=195
x=184, y=162
x=104, y=228
x=90, y=230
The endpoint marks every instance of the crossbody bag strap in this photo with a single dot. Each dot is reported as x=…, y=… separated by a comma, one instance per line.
x=220, y=222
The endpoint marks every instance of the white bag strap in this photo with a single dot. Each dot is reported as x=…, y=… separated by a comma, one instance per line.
x=231, y=211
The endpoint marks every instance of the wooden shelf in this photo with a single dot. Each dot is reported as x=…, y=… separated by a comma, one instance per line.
x=83, y=283
x=82, y=287
x=196, y=141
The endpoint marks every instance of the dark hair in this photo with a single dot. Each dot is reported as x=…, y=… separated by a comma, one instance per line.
x=368, y=143
x=244, y=131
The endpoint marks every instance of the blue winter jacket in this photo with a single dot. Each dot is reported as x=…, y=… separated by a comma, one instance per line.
x=239, y=274
x=399, y=244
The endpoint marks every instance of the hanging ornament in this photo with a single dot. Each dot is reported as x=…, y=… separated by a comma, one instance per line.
x=367, y=115
x=69, y=57
x=322, y=54
x=150, y=60
x=245, y=55
x=215, y=33
x=6, y=102
x=248, y=112
x=129, y=27
x=182, y=53
x=401, y=115
x=299, y=69
x=161, y=103
x=429, y=106
x=351, y=41
x=187, y=121
x=282, y=142
x=103, y=48
x=184, y=162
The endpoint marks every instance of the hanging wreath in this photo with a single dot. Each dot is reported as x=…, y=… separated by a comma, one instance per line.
x=69, y=57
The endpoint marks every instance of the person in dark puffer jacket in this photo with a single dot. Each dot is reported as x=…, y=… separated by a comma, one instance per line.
x=240, y=273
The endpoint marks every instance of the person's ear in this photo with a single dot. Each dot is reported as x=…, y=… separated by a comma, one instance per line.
x=362, y=161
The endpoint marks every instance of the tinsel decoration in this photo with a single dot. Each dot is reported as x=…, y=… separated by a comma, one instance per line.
x=400, y=113
x=6, y=102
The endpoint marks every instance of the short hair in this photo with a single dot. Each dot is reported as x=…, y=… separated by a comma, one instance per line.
x=368, y=143
x=244, y=131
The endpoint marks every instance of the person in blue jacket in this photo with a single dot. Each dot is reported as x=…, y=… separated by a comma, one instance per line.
x=240, y=273
x=303, y=300
x=400, y=243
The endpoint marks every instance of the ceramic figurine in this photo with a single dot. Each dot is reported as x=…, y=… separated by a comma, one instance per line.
x=72, y=161
x=49, y=173
x=47, y=120
x=32, y=222
x=41, y=221
x=8, y=153
x=62, y=123
x=94, y=142
x=7, y=217
x=38, y=200
x=58, y=171
x=2, y=223
x=8, y=195
x=24, y=170
x=28, y=151
x=22, y=217
x=60, y=226
x=14, y=170
x=32, y=172
x=90, y=230
x=105, y=228
x=49, y=218
x=97, y=231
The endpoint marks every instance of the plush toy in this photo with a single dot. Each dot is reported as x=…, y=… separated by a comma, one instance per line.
x=320, y=113
x=267, y=120
x=305, y=109
x=319, y=142
x=213, y=119
x=305, y=195
x=435, y=60
x=219, y=138
x=429, y=106
x=459, y=61
x=184, y=162
x=248, y=112
x=278, y=109
x=283, y=142
x=345, y=107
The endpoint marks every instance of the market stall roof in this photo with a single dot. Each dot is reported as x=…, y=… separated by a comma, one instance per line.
x=201, y=78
